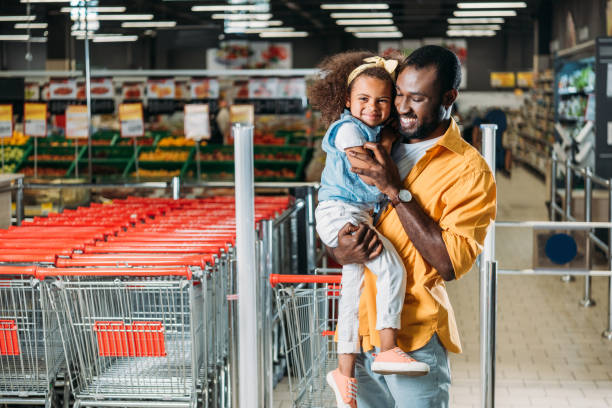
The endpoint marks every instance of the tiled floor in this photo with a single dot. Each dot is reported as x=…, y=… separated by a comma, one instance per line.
x=550, y=352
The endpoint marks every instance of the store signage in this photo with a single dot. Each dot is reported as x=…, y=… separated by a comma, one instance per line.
x=102, y=88
x=292, y=88
x=161, y=88
x=45, y=92
x=131, y=91
x=524, y=79
x=197, y=121
x=244, y=114
x=131, y=120
x=77, y=125
x=181, y=90
x=62, y=89
x=503, y=80
x=32, y=91
x=35, y=119
x=6, y=121
x=204, y=88
x=263, y=88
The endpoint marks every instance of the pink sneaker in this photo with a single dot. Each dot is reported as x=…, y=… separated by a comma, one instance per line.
x=395, y=361
x=345, y=389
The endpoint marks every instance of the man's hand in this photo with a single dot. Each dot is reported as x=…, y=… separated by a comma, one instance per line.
x=380, y=168
x=356, y=245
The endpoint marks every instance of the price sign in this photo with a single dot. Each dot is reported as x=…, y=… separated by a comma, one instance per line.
x=35, y=119
x=244, y=114
x=197, y=122
x=131, y=119
x=63, y=89
x=6, y=121
x=77, y=125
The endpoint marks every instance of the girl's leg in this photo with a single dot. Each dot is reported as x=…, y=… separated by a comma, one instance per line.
x=348, y=310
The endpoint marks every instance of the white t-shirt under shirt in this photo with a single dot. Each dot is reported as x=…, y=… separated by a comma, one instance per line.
x=406, y=155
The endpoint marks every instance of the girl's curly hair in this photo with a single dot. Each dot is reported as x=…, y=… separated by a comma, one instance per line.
x=330, y=91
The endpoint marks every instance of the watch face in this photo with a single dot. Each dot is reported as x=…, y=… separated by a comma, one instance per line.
x=405, y=195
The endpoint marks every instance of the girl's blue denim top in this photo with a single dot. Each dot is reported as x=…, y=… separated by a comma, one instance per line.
x=338, y=182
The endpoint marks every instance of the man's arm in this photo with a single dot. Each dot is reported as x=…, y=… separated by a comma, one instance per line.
x=424, y=233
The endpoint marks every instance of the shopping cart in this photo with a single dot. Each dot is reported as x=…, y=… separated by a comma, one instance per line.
x=30, y=347
x=132, y=337
x=307, y=306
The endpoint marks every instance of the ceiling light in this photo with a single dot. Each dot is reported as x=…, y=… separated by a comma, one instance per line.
x=260, y=16
x=470, y=33
x=114, y=17
x=148, y=24
x=373, y=28
x=17, y=18
x=492, y=5
x=365, y=22
x=118, y=38
x=475, y=27
x=394, y=34
x=254, y=24
x=267, y=29
x=498, y=20
x=485, y=13
x=30, y=25
x=38, y=39
x=118, y=9
x=361, y=15
x=14, y=37
x=277, y=34
x=45, y=1
x=247, y=7
x=346, y=6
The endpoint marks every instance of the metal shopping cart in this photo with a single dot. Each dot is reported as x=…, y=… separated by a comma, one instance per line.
x=30, y=347
x=307, y=306
x=133, y=337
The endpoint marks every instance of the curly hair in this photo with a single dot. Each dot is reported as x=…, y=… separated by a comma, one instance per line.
x=330, y=91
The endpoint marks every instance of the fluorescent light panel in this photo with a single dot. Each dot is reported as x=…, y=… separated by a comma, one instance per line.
x=17, y=18
x=272, y=34
x=492, y=5
x=254, y=24
x=371, y=29
x=497, y=20
x=30, y=25
x=361, y=15
x=148, y=24
x=45, y=1
x=365, y=22
x=485, y=13
x=346, y=6
x=223, y=8
x=475, y=27
x=395, y=34
x=14, y=37
x=118, y=9
x=470, y=33
x=119, y=38
x=102, y=17
x=260, y=16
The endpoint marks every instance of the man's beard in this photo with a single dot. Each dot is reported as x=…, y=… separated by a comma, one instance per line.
x=424, y=130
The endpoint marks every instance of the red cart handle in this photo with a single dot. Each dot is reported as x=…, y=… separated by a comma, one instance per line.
x=118, y=272
x=277, y=278
x=17, y=270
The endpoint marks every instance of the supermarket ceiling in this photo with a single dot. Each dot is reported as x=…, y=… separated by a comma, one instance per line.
x=280, y=18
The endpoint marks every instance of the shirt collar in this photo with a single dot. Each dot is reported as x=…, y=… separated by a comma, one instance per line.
x=451, y=139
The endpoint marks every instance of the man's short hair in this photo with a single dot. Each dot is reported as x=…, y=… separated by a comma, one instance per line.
x=447, y=65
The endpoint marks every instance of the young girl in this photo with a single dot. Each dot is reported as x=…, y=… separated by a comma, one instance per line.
x=356, y=92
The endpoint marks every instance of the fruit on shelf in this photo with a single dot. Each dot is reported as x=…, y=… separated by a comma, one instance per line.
x=8, y=168
x=164, y=155
x=13, y=154
x=219, y=155
x=17, y=139
x=44, y=172
x=176, y=141
x=156, y=173
x=142, y=141
x=261, y=138
x=53, y=157
x=275, y=174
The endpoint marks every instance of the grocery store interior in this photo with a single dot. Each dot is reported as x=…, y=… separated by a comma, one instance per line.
x=142, y=140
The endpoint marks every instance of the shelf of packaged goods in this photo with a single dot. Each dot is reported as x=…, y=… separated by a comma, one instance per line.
x=535, y=139
x=575, y=92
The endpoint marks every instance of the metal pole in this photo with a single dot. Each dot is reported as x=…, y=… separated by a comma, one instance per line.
x=248, y=342
x=88, y=94
x=568, y=205
x=268, y=253
x=553, y=186
x=487, y=256
x=588, y=203
x=310, y=230
x=19, y=201
x=608, y=333
x=492, y=319
x=176, y=188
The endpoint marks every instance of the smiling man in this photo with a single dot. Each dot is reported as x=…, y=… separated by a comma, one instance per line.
x=442, y=199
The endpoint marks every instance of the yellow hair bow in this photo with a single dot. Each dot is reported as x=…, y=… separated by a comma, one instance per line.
x=372, y=62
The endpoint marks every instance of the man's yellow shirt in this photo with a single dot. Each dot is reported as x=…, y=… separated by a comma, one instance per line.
x=455, y=187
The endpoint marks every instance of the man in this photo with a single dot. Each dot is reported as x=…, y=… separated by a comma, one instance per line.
x=443, y=198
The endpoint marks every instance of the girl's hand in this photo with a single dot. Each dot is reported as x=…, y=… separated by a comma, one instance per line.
x=380, y=169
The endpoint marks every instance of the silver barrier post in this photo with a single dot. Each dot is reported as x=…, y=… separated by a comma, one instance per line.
x=588, y=201
x=568, y=205
x=268, y=263
x=176, y=188
x=487, y=341
x=553, y=186
x=608, y=333
x=311, y=231
x=19, y=201
x=489, y=396
x=248, y=342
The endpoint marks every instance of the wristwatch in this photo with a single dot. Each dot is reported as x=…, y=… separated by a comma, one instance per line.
x=403, y=196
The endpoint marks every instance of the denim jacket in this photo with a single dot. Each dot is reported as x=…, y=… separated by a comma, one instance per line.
x=338, y=182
